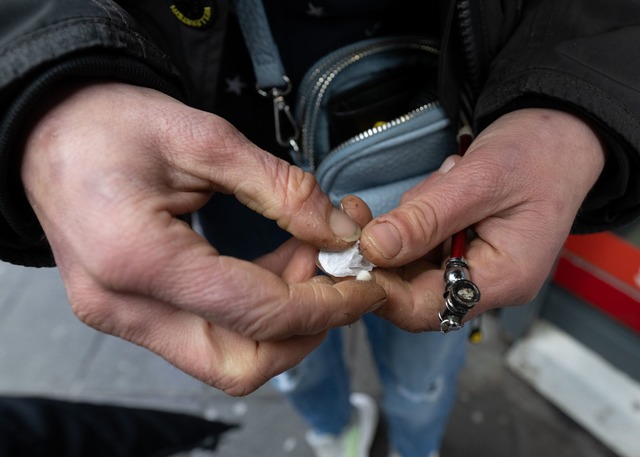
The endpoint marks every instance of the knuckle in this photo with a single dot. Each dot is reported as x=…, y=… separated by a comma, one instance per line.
x=240, y=386
x=239, y=379
x=292, y=185
x=190, y=135
x=299, y=186
x=419, y=221
x=91, y=310
x=91, y=314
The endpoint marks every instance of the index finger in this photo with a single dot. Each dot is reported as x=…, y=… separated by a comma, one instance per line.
x=238, y=295
x=221, y=156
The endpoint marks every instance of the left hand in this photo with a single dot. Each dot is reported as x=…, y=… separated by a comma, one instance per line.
x=519, y=186
x=109, y=167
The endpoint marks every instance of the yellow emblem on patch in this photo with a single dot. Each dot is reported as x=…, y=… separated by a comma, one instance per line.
x=202, y=21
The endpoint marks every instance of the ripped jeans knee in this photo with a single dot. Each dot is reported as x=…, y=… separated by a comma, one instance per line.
x=419, y=376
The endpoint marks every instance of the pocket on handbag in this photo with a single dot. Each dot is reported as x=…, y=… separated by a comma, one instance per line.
x=371, y=124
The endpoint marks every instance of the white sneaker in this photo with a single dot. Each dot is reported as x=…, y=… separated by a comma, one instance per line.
x=356, y=439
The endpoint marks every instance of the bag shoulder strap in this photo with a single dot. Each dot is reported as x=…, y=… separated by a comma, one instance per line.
x=264, y=53
x=271, y=80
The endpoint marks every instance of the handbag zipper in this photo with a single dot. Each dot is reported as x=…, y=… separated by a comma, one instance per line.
x=386, y=126
x=326, y=70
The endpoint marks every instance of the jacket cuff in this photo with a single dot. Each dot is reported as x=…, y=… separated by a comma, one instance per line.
x=22, y=240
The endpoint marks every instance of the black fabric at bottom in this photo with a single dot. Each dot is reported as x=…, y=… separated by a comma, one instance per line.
x=38, y=427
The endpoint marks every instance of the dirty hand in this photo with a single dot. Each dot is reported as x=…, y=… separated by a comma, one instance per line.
x=108, y=168
x=519, y=186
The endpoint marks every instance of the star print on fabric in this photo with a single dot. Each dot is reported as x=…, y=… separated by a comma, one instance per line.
x=315, y=11
x=235, y=85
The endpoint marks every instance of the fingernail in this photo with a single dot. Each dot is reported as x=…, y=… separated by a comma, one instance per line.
x=386, y=239
x=447, y=165
x=343, y=226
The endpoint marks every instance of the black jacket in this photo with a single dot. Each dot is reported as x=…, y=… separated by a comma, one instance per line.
x=575, y=55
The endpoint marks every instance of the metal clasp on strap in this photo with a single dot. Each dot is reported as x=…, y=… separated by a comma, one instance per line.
x=282, y=115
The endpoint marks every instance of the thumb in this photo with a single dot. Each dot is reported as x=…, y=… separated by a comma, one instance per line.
x=529, y=170
x=451, y=199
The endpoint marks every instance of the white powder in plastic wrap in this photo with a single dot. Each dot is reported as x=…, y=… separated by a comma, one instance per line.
x=349, y=262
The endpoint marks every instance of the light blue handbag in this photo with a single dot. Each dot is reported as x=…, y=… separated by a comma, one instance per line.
x=380, y=93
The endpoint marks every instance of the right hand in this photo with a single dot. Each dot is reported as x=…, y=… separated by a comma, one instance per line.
x=519, y=187
x=108, y=167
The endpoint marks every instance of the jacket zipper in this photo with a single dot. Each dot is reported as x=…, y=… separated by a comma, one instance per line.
x=314, y=89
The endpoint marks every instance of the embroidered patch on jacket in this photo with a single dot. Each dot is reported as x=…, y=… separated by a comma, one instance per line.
x=194, y=13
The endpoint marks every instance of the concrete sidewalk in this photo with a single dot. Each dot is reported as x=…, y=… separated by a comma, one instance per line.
x=45, y=350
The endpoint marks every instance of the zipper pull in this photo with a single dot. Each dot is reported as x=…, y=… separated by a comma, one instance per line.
x=282, y=116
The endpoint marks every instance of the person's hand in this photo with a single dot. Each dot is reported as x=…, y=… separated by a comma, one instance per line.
x=108, y=168
x=519, y=186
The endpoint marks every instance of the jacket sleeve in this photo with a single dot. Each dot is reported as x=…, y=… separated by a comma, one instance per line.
x=44, y=43
x=581, y=56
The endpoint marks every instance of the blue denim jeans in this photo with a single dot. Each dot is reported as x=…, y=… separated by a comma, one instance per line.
x=418, y=374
